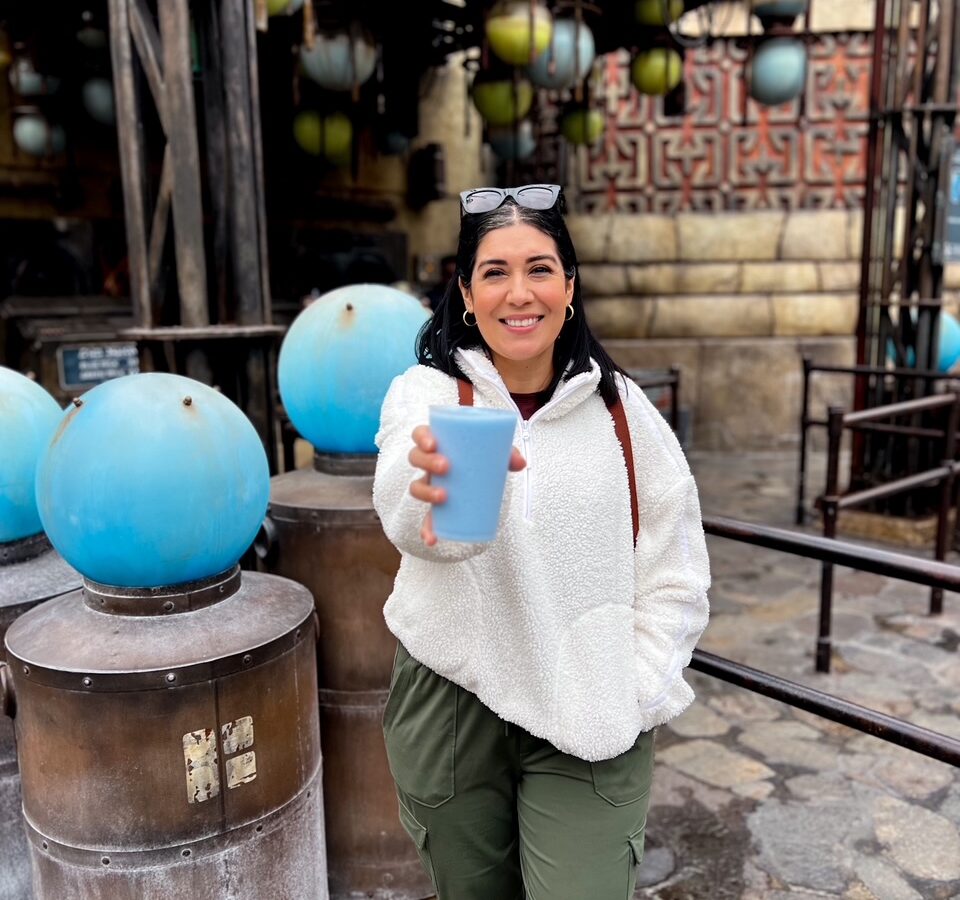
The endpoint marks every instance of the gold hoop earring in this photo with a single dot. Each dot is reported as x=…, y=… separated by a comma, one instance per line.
x=466, y=313
x=569, y=314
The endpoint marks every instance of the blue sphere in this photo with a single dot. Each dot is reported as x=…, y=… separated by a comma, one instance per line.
x=778, y=71
x=153, y=480
x=338, y=359
x=28, y=419
x=568, y=56
x=948, y=344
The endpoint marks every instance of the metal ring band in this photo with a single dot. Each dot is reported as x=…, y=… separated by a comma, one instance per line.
x=161, y=601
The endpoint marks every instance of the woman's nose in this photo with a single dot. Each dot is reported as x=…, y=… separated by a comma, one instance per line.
x=518, y=291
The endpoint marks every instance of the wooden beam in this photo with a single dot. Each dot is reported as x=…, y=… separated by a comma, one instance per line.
x=185, y=162
x=130, y=139
x=147, y=42
x=161, y=217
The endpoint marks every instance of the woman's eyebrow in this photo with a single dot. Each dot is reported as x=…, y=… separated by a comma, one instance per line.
x=530, y=259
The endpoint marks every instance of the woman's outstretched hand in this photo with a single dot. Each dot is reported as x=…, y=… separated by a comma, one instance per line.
x=424, y=456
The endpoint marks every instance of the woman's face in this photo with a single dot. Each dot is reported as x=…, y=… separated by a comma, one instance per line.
x=519, y=294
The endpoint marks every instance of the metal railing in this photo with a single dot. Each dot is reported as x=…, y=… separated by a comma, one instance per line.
x=831, y=551
x=668, y=378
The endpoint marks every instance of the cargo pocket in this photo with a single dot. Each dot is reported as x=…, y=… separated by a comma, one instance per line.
x=626, y=778
x=420, y=731
x=418, y=834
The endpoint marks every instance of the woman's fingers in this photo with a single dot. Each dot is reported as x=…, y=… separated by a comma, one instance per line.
x=517, y=462
x=424, y=439
x=421, y=489
x=431, y=463
x=426, y=530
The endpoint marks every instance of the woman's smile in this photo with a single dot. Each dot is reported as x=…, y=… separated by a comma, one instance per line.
x=521, y=324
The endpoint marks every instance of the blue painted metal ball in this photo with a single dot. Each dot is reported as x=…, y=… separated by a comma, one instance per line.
x=153, y=480
x=338, y=359
x=778, y=72
x=568, y=56
x=28, y=419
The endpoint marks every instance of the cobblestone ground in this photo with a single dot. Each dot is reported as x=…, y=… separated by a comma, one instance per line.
x=753, y=799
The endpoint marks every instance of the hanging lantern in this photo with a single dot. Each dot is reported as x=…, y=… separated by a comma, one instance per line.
x=657, y=12
x=28, y=82
x=328, y=136
x=568, y=56
x=339, y=60
x=283, y=7
x=33, y=134
x=657, y=70
x=582, y=126
x=778, y=71
x=499, y=99
x=771, y=12
x=510, y=34
x=98, y=100
x=512, y=141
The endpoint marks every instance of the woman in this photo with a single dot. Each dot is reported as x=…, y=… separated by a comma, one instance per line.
x=531, y=671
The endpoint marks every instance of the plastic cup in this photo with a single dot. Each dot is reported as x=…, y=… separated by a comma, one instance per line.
x=477, y=443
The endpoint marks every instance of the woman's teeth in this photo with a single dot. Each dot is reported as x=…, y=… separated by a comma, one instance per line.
x=523, y=323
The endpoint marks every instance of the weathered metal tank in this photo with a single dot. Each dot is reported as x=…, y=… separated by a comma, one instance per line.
x=335, y=366
x=324, y=533
x=168, y=741
x=166, y=721
x=30, y=572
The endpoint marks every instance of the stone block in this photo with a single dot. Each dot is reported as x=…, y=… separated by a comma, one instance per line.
x=713, y=316
x=816, y=234
x=636, y=354
x=815, y=314
x=777, y=277
x=603, y=280
x=708, y=278
x=851, y=15
x=839, y=276
x=642, y=238
x=619, y=317
x=749, y=394
x=653, y=278
x=590, y=234
x=732, y=237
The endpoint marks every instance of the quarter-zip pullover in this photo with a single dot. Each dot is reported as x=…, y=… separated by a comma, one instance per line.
x=559, y=624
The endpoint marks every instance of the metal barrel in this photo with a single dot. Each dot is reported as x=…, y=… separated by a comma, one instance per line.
x=30, y=572
x=325, y=534
x=168, y=741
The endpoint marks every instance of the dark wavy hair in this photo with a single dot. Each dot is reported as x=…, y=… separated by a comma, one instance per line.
x=445, y=331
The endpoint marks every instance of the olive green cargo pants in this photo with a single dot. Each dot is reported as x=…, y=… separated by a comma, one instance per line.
x=498, y=814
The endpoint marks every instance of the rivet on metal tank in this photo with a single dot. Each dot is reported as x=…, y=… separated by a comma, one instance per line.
x=30, y=572
x=166, y=718
x=322, y=531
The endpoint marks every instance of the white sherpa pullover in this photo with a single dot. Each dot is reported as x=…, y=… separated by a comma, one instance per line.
x=558, y=625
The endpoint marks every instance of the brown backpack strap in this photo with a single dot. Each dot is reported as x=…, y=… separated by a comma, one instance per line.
x=623, y=435
x=465, y=389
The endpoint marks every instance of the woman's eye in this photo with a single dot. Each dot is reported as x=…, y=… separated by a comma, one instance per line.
x=491, y=272
x=541, y=270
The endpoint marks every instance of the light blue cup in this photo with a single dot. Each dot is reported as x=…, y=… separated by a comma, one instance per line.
x=477, y=443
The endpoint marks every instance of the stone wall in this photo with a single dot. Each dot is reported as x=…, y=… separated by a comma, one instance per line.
x=734, y=299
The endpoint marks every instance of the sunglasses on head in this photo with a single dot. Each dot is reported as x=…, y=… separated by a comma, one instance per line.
x=487, y=199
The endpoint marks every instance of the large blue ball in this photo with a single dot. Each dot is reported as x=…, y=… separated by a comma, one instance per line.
x=28, y=419
x=568, y=56
x=778, y=72
x=338, y=359
x=154, y=480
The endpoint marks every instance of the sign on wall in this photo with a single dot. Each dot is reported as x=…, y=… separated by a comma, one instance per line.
x=951, y=240
x=84, y=365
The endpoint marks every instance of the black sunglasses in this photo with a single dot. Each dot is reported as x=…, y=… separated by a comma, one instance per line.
x=486, y=199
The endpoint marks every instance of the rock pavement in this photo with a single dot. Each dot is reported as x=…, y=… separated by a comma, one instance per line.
x=755, y=800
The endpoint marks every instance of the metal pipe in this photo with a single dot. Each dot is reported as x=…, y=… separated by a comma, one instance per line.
x=946, y=498
x=804, y=425
x=839, y=552
x=887, y=728
x=905, y=407
x=834, y=437
x=882, y=370
x=892, y=488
